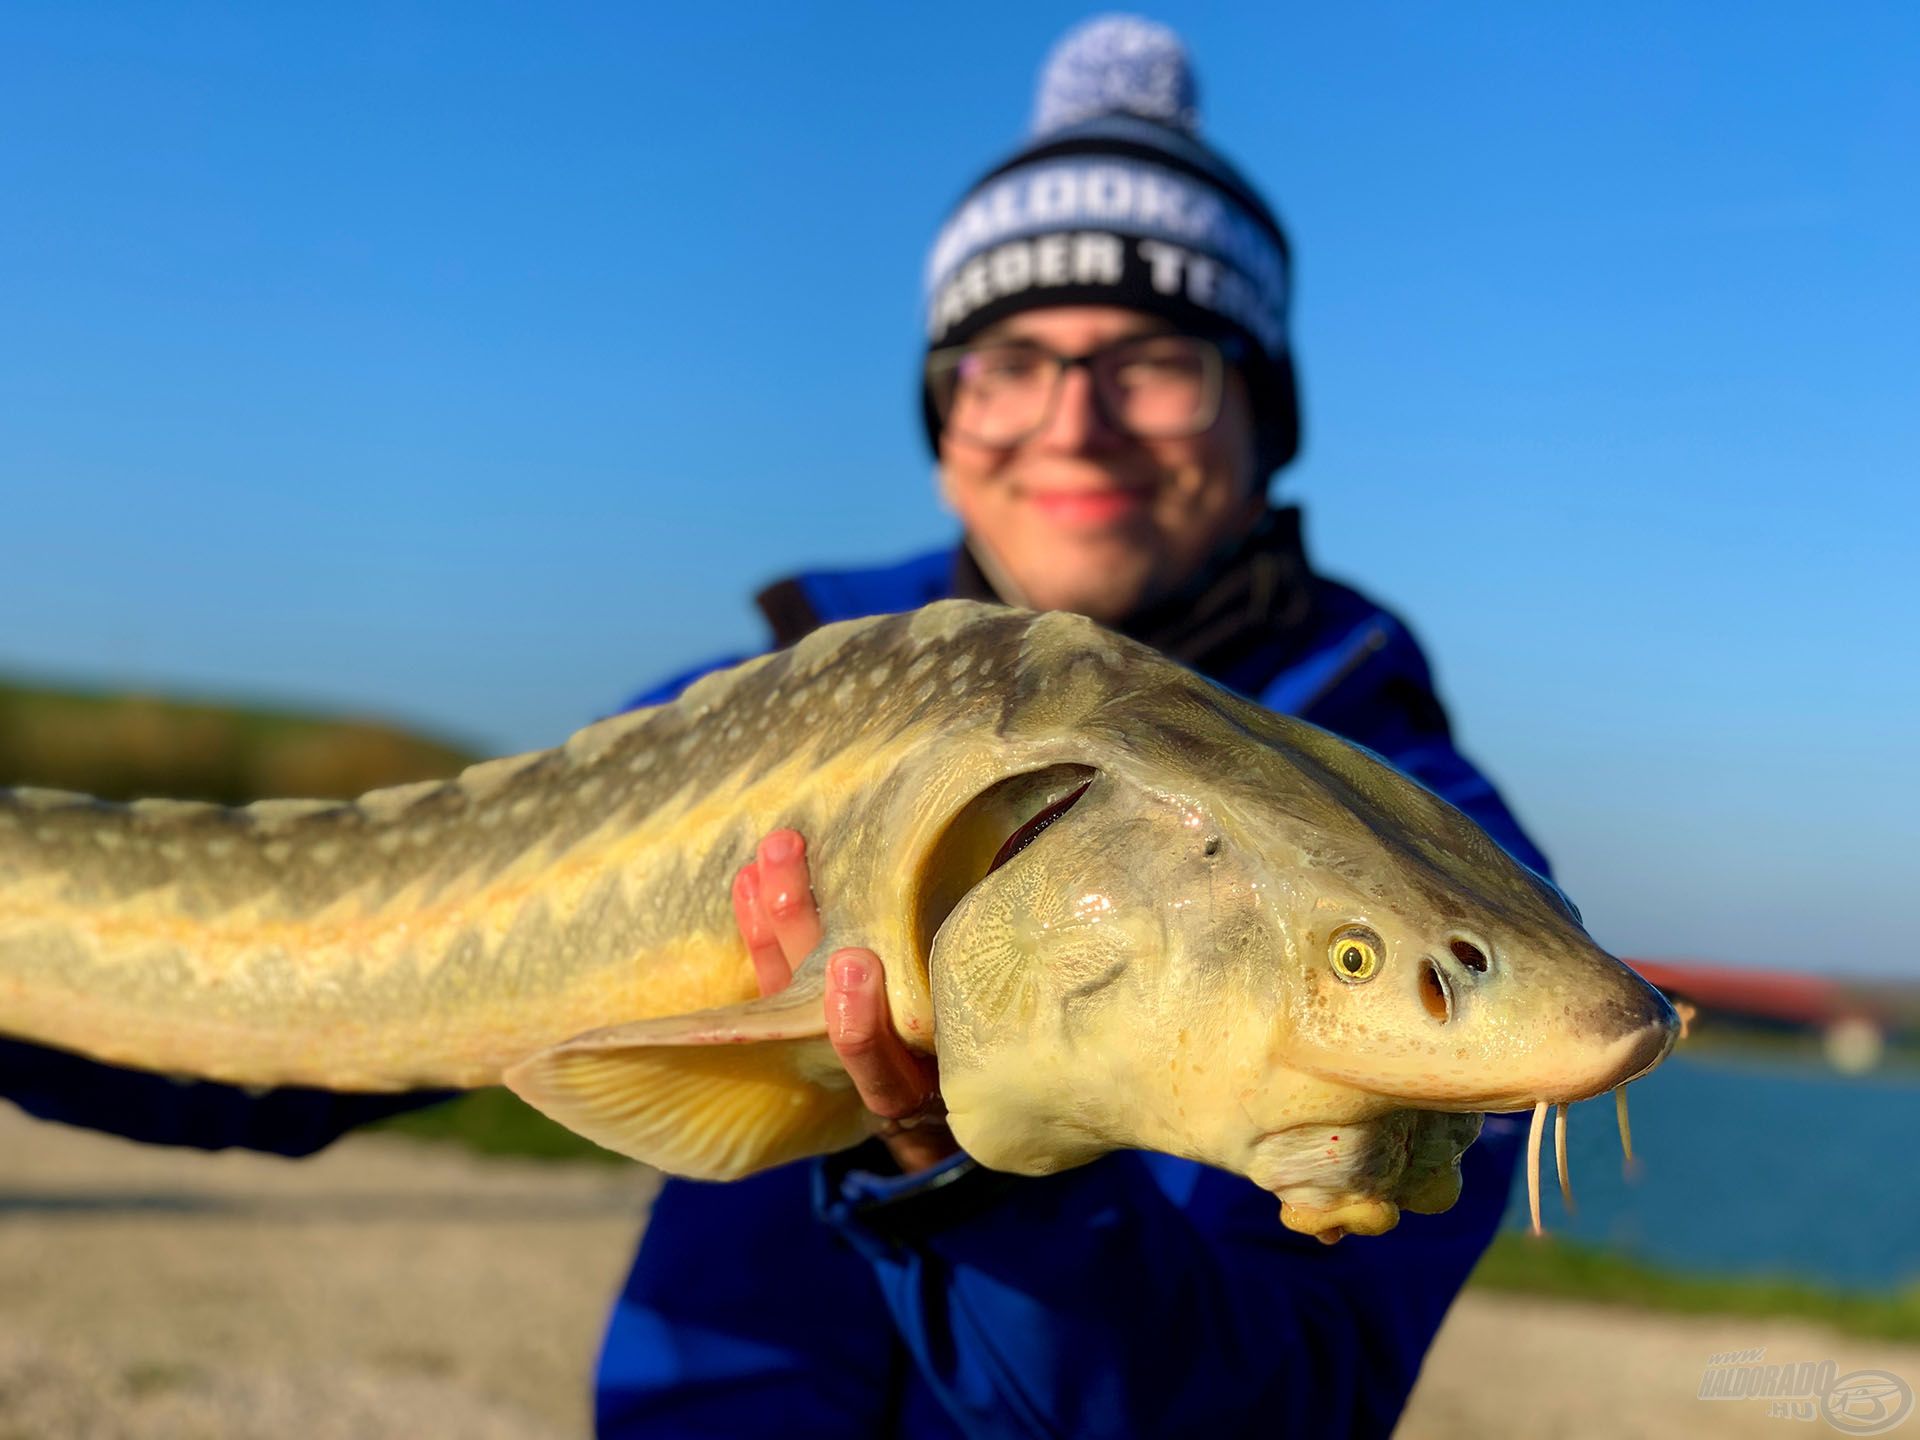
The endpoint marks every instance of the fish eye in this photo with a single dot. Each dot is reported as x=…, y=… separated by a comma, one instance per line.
x=1355, y=953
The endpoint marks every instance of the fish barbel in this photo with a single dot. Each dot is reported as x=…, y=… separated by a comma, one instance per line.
x=1122, y=906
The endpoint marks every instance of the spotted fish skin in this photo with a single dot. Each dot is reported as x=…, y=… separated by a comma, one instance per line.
x=1155, y=970
x=433, y=934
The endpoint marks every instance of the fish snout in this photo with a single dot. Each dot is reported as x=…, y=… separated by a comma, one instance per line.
x=1479, y=1022
x=1619, y=1030
x=1506, y=1029
x=1643, y=1023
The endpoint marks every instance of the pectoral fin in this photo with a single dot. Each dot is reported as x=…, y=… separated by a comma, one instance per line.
x=715, y=1094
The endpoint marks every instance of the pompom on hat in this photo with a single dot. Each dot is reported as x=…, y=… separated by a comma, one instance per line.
x=1116, y=200
x=1117, y=65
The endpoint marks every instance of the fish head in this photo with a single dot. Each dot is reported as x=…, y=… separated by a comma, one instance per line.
x=1452, y=1006
x=1426, y=965
x=1246, y=942
x=1429, y=977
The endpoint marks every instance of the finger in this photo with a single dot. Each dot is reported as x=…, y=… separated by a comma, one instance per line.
x=892, y=1080
x=786, y=895
x=921, y=1149
x=770, y=968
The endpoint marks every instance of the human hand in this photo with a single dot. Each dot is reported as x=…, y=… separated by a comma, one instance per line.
x=774, y=907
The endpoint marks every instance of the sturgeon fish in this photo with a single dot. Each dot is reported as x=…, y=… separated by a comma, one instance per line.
x=1122, y=906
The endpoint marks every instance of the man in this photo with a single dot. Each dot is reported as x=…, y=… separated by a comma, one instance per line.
x=1108, y=387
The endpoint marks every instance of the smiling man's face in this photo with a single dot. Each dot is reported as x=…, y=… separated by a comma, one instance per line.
x=1082, y=516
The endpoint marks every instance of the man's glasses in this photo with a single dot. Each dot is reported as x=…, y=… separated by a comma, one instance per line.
x=1001, y=392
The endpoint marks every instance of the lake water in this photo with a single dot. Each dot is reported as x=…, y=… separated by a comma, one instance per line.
x=1753, y=1169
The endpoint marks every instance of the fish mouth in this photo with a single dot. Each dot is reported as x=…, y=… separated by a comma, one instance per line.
x=1628, y=1059
x=1631, y=1055
x=1649, y=1047
x=1640, y=1051
x=1573, y=1068
x=1563, y=1074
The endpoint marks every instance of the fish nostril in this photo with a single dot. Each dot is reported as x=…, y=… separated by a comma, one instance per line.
x=1468, y=954
x=1434, y=994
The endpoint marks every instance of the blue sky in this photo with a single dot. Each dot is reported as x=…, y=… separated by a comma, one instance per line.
x=470, y=364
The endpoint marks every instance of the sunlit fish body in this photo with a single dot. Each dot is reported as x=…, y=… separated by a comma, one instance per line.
x=1124, y=907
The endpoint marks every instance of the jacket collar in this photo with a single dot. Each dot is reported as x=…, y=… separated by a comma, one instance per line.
x=1260, y=591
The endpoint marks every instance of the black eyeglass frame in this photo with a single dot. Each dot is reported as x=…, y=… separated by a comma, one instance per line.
x=1216, y=354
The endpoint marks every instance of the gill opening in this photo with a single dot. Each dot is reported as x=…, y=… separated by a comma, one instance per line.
x=989, y=831
x=1030, y=831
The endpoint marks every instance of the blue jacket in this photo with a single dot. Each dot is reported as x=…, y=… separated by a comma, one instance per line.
x=1138, y=1295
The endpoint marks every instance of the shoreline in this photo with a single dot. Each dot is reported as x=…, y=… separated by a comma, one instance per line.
x=389, y=1288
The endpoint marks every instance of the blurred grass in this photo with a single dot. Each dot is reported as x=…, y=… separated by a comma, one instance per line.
x=124, y=747
x=1557, y=1267
x=496, y=1122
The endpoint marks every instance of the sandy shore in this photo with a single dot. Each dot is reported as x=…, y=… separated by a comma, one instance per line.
x=1550, y=1370
x=389, y=1289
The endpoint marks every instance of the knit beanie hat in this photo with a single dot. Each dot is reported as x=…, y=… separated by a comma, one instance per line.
x=1116, y=200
